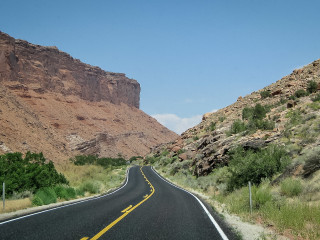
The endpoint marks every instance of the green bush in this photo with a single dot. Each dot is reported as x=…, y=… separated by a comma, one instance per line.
x=253, y=125
x=265, y=94
x=222, y=118
x=291, y=187
x=71, y=192
x=257, y=112
x=253, y=166
x=300, y=93
x=212, y=126
x=44, y=196
x=247, y=113
x=65, y=192
x=260, y=196
x=237, y=127
x=312, y=87
x=254, y=116
x=29, y=173
x=79, y=191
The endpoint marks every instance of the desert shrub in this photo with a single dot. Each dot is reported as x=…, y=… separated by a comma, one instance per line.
x=253, y=125
x=316, y=98
x=29, y=173
x=254, y=166
x=265, y=94
x=295, y=117
x=81, y=160
x=165, y=153
x=291, y=187
x=212, y=126
x=222, y=118
x=44, y=196
x=237, y=127
x=21, y=195
x=312, y=87
x=150, y=160
x=79, y=191
x=314, y=106
x=247, y=113
x=61, y=192
x=260, y=196
x=300, y=93
x=92, y=187
x=257, y=112
x=311, y=158
x=282, y=101
x=195, y=138
x=65, y=192
x=71, y=192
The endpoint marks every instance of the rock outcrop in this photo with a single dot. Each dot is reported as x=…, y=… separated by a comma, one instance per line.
x=208, y=148
x=55, y=104
x=46, y=69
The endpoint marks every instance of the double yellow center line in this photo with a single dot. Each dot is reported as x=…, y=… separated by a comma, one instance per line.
x=126, y=211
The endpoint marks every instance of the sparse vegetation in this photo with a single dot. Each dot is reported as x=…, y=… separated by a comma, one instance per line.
x=312, y=87
x=265, y=94
x=291, y=187
x=94, y=160
x=237, y=127
x=300, y=93
x=212, y=126
x=222, y=118
x=316, y=98
x=254, y=117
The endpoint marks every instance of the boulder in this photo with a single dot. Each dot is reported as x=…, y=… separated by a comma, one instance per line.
x=183, y=156
x=277, y=92
x=206, y=116
x=175, y=149
x=291, y=103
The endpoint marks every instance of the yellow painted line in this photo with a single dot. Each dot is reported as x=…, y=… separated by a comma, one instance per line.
x=124, y=210
x=103, y=231
x=84, y=238
x=145, y=196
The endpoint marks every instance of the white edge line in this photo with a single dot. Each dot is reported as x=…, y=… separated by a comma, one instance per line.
x=67, y=205
x=222, y=234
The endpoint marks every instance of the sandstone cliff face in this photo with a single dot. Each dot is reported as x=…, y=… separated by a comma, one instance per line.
x=46, y=69
x=52, y=103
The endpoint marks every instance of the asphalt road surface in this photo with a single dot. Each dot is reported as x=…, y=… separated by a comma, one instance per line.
x=146, y=207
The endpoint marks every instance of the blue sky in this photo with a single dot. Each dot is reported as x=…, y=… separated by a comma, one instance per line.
x=190, y=57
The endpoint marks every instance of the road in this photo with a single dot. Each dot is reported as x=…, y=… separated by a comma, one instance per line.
x=146, y=207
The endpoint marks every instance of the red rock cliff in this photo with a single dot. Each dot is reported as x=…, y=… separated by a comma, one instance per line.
x=45, y=69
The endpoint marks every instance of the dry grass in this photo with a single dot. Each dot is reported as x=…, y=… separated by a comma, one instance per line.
x=14, y=205
x=106, y=178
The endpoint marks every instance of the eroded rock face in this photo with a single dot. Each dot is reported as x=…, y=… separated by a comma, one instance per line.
x=45, y=69
x=209, y=149
x=55, y=104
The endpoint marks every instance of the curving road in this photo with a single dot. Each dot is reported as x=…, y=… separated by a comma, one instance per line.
x=146, y=207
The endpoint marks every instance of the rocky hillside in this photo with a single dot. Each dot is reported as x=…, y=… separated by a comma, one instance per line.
x=290, y=116
x=56, y=104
